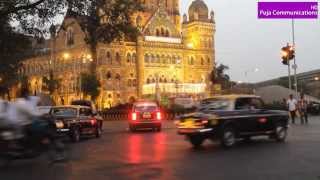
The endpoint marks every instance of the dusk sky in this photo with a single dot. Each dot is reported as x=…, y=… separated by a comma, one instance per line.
x=244, y=42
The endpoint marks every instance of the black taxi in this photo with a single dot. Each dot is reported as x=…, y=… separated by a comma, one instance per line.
x=232, y=117
x=76, y=121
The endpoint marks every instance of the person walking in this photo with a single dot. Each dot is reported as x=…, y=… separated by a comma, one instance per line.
x=292, y=107
x=302, y=107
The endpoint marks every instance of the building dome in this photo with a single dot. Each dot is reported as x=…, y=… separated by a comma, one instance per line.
x=198, y=11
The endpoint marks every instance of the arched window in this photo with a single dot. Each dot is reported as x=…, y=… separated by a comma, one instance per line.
x=178, y=60
x=128, y=58
x=202, y=61
x=146, y=58
x=167, y=33
x=118, y=58
x=157, y=32
x=129, y=83
x=163, y=59
x=165, y=80
x=134, y=83
x=148, y=81
x=108, y=75
x=101, y=56
x=158, y=59
x=161, y=80
x=153, y=59
x=109, y=58
x=174, y=60
x=70, y=37
x=208, y=61
x=134, y=58
x=118, y=77
x=139, y=21
x=162, y=32
x=153, y=80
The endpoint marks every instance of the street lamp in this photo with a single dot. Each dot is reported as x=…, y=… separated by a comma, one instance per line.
x=316, y=78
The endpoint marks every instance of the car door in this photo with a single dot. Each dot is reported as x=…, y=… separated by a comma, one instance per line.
x=244, y=115
x=263, y=116
x=84, y=115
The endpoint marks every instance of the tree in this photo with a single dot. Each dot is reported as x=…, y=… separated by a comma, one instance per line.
x=13, y=47
x=219, y=76
x=105, y=21
x=50, y=84
x=90, y=85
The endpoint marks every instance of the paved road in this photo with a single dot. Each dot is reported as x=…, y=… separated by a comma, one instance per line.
x=149, y=155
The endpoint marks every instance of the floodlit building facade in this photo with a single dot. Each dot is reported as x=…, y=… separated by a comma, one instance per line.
x=172, y=56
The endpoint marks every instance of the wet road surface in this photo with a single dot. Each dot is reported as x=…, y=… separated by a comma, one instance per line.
x=120, y=154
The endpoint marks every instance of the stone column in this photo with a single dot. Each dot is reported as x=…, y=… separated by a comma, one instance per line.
x=140, y=66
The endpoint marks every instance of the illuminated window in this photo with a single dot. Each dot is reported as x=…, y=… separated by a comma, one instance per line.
x=128, y=58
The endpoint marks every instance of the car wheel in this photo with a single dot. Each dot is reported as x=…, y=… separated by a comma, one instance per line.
x=280, y=133
x=98, y=132
x=75, y=136
x=196, y=141
x=228, y=138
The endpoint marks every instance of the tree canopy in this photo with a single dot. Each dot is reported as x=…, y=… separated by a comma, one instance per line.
x=105, y=21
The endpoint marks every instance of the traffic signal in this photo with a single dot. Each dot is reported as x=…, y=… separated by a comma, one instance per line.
x=287, y=54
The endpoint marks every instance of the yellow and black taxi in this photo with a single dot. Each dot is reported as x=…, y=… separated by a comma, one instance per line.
x=230, y=118
x=76, y=121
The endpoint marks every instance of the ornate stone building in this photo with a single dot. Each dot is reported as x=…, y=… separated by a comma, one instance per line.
x=172, y=56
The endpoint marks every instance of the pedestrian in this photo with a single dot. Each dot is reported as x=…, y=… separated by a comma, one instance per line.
x=292, y=107
x=302, y=107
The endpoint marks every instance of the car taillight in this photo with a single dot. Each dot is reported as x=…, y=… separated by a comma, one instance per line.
x=93, y=122
x=134, y=116
x=204, y=121
x=159, y=117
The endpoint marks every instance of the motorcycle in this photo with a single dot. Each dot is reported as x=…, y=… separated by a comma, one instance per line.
x=38, y=137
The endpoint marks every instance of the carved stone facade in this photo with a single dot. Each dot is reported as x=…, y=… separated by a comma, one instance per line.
x=169, y=57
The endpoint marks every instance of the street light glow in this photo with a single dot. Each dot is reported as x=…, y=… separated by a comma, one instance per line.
x=316, y=78
x=190, y=45
x=66, y=56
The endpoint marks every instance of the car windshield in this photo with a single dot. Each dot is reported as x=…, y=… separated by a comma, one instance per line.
x=145, y=107
x=64, y=111
x=214, y=104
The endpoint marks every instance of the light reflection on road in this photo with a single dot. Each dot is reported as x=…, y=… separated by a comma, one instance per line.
x=141, y=150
